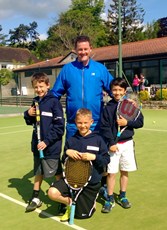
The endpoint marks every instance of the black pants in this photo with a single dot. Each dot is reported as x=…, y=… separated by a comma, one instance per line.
x=85, y=204
x=86, y=199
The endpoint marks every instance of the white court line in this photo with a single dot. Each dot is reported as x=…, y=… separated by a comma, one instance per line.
x=21, y=131
x=41, y=212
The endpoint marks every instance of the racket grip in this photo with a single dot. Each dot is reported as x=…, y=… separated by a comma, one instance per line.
x=118, y=134
x=41, y=155
x=72, y=214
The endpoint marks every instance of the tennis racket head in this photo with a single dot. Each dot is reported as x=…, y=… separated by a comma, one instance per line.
x=127, y=109
x=135, y=98
x=77, y=173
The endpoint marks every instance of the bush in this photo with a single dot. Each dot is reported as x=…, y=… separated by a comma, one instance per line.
x=144, y=95
x=158, y=94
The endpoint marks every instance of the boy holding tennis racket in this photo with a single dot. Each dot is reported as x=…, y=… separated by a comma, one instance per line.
x=120, y=144
x=85, y=145
x=47, y=135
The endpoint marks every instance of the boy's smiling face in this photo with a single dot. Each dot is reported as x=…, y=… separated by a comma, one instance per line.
x=83, y=124
x=118, y=92
x=41, y=88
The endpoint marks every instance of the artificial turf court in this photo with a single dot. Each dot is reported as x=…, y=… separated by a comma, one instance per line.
x=147, y=187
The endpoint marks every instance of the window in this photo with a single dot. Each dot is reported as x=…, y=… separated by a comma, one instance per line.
x=152, y=74
x=149, y=63
x=135, y=64
x=3, y=66
x=111, y=67
x=30, y=73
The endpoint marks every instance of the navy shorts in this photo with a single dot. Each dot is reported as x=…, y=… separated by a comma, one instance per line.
x=85, y=203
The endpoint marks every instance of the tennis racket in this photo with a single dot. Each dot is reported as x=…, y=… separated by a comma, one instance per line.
x=41, y=155
x=77, y=174
x=127, y=110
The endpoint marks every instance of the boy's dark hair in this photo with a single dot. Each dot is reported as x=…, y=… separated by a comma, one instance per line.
x=40, y=77
x=119, y=82
x=82, y=38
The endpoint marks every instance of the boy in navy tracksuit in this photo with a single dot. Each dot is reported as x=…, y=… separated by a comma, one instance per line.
x=122, y=155
x=51, y=131
x=84, y=145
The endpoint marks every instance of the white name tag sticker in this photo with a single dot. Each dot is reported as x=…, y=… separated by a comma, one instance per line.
x=95, y=148
x=47, y=114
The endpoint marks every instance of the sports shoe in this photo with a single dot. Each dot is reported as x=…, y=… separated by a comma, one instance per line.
x=61, y=209
x=66, y=216
x=123, y=201
x=33, y=204
x=108, y=206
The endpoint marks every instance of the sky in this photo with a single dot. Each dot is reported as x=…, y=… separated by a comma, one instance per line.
x=14, y=12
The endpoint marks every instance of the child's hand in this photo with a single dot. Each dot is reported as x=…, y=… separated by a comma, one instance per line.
x=88, y=156
x=32, y=111
x=74, y=154
x=122, y=121
x=113, y=148
x=41, y=145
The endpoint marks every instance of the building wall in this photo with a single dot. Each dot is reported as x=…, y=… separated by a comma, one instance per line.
x=10, y=66
x=25, y=82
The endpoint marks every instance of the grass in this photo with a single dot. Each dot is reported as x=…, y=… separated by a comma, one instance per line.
x=146, y=190
x=12, y=110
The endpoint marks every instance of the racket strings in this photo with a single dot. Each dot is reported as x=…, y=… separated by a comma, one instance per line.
x=128, y=110
x=77, y=173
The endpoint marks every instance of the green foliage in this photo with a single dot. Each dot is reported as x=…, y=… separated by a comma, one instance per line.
x=161, y=95
x=83, y=17
x=151, y=30
x=132, y=17
x=24, y=36
x=5, y=76
x=2, y=38
x=144, y=95
x=163, y=27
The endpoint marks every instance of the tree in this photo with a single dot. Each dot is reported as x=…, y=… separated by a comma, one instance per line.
x=5, y=77
x=2, y=38
x=163, y=27
x=24, y=36
x=151, y=30
x=83, y=17
x=132, y=17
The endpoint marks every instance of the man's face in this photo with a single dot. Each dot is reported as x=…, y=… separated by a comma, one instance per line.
x=83, y=50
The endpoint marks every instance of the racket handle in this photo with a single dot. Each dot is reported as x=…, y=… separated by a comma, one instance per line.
x=72, y=214
x=41, y=155
x=118, y=134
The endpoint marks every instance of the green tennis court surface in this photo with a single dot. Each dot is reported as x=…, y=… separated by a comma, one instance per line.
x=146, y=191
x=11, y=110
